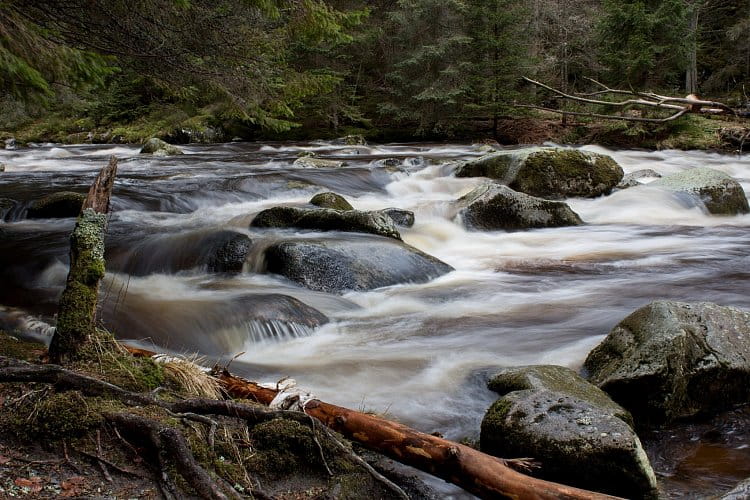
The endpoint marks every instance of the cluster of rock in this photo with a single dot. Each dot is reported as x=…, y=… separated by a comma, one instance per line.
x=666, y=362
x=526, y=183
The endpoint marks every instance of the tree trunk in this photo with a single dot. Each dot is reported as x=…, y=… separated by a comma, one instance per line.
x=77, y=308
x=691, y=72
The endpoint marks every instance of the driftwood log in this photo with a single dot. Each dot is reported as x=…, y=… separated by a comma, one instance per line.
x=676, y=106
x=77, y=308
x=476, y=472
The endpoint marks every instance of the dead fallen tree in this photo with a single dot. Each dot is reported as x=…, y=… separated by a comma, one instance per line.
x=633, y=100
x=481, y=474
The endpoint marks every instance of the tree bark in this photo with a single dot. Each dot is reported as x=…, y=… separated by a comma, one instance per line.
x=77, y=308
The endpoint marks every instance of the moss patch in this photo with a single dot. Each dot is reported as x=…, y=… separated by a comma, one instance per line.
x=24, y=350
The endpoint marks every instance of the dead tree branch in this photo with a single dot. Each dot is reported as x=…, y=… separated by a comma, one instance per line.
x=678, y=106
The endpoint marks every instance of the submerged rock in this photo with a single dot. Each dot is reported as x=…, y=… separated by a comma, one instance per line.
x=57, y=206
x=326, y=219
x=313, y=162
x=671, y=360
x=495, y=206
x=575, y=430
x=720, y=193
x=403, y=218
x=337, y=265
x=331, y=200
x=548, y=172
x=157, y=147
x=632, y=179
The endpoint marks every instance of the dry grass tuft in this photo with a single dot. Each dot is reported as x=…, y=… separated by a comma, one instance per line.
x=189, y=376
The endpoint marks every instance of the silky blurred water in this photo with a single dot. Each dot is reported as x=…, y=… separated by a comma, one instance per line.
x=418, y=353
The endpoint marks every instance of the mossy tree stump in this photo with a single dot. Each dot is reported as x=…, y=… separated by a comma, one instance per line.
x=76, y=314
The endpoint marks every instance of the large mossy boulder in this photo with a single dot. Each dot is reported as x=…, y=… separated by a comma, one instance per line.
x=580, y=436
x=672, y=360
x=326, y=219
x=548, y=172
x=331, y=200
x=157, y=147
x=719, y=192
x=56, y=206
x=495, y=206
x=365, y=263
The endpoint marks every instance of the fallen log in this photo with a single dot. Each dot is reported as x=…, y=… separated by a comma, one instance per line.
x=76, y=314
x=476, y=472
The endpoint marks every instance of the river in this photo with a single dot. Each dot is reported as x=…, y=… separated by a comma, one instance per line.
x=418, y=353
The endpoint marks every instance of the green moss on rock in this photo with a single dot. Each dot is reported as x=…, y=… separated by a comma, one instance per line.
x=331, y=200
x=57, y=205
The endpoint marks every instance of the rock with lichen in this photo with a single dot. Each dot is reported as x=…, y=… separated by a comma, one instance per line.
x=400, y=217
x=495, y=206
x=580, y=436
x=672, y=360
x=327, y=219
x=331, y=200
x=157, y=147
x=56, y=206
x=314, y=162
x=548, y=172
x=719, y=192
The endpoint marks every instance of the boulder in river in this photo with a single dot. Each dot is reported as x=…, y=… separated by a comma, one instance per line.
x=495, y=206
x=632, y=179
x=672, y=360
x=2, y=167
x=326, y=219
x=719, y=192
x=157, y=147
x=56, y=206
x=331, y=200
x=313, y=162
x=228, y=252
x=400, y=217
x=354, y=263
x=10, y=143
x=580, y=436
x=548, y=172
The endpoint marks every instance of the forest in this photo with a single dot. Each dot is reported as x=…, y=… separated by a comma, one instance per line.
x=290, y=69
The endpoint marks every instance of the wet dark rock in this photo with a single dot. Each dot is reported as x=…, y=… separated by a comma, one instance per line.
x=10, y=143
x=2, y=167
x=366, y=263
x=575, y=430
x=495, y=206
x=632, y=179
x=548, y=172
x=228, y=252
x=719, y=192
x=220, y=251
x=157, y=147
x=56, y=206
x=326, y=219
x=403, y=218
x=673, y=360
x=331, y=200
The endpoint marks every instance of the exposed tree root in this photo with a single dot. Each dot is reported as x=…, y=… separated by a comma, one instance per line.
x=171, y=444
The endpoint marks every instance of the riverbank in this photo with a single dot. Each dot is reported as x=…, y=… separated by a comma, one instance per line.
x=692, y=132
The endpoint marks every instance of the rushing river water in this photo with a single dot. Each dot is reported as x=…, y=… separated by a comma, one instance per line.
x=419, y=353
